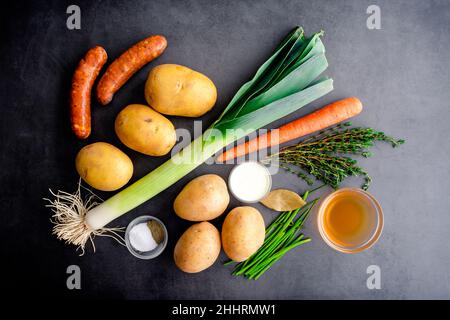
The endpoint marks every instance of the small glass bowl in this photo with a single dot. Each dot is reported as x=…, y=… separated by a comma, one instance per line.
x=375, y=234
x=269, y=187
x=149, y=254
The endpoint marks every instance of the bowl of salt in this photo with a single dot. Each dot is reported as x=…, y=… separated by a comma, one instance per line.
x=146, y=237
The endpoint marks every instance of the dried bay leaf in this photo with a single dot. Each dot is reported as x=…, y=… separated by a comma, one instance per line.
x=283, y=200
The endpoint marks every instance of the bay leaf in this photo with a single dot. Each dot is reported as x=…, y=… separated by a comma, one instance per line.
x=283, y=200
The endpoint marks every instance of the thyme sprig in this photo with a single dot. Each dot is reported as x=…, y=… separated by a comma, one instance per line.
x=325, y=155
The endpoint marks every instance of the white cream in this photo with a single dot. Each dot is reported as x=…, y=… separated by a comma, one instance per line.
x=141, y=238
x=250, y=181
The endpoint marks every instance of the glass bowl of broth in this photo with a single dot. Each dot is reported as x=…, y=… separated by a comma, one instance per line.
x=350, y=220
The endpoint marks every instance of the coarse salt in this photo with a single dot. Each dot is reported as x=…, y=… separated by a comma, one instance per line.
x=141, y=238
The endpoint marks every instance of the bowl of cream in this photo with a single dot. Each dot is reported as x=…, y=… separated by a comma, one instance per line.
x=250, y=181
x=146, y=237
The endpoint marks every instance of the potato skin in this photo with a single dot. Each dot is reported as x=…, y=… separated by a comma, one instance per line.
x=179, y=91
x=103, y=166
x=198, y=248
x=202, y=199
x=144, y=130
x=243, y=232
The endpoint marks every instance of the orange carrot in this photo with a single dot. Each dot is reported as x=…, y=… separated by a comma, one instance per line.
x=329, y=115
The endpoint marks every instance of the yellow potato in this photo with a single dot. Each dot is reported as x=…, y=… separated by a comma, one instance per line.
x=198, y=248
x=144, y=130
x=243, y=232
x=204, y=198
x=179, y=91
x=103, y=166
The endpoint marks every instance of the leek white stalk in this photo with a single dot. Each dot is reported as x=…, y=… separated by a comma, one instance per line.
x=287, y=81
x=153, y=183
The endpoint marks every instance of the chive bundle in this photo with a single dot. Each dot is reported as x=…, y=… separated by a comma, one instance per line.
x=282, y=235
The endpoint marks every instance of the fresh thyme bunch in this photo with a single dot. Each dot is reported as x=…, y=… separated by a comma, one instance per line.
x=324, y=155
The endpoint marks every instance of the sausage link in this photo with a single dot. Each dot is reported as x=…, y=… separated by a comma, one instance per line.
x=80, y=94
x=128, y=64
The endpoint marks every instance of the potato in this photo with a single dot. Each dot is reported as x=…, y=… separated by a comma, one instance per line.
x=179, y=91
x=144, y=130
x=198, y=248
x=204, y=198
x=243, y=232
x=103, y=166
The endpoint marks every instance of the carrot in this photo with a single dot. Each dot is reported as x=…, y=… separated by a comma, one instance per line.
x=329, y=115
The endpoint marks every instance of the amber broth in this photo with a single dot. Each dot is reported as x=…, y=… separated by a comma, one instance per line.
x=349, y=219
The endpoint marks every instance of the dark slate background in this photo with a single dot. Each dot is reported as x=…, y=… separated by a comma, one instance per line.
x=401, y=73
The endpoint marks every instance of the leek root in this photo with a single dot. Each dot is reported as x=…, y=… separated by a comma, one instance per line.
x=69, y=219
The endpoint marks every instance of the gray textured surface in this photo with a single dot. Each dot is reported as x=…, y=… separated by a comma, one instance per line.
x=401, y=73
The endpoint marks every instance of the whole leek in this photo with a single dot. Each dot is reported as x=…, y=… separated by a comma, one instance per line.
x=287, y=81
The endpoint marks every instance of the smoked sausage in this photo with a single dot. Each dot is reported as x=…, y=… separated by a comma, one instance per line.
x=80, y=93
x=118, y=73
